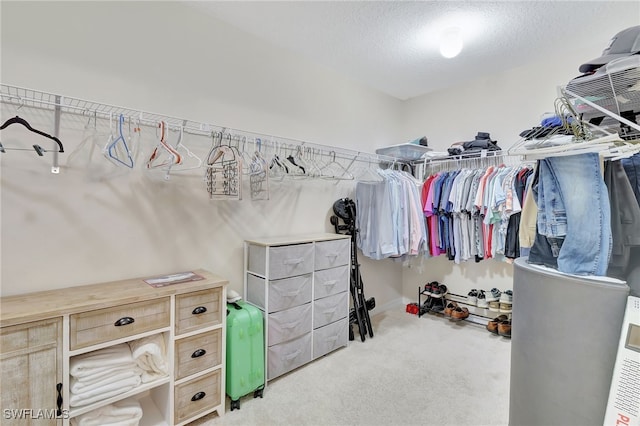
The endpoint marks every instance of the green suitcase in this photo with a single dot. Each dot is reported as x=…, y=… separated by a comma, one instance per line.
x=245, y=352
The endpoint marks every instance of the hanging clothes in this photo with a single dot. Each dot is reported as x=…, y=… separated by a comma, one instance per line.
x=390, y=216
x=468, y=212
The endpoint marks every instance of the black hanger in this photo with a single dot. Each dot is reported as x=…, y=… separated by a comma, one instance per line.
x=18, y=120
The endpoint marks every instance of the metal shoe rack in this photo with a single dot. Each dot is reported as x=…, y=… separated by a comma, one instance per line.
x=480, y=316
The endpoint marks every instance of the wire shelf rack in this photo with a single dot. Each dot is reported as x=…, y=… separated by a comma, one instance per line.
x=60, y=104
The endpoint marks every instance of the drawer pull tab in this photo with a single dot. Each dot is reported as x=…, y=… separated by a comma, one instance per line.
x=198, y=353
x=199, y=310
x=293, y=261
x=124, y=321
x=198, y=396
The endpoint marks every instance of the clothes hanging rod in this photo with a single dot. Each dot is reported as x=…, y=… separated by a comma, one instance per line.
x=24, y=97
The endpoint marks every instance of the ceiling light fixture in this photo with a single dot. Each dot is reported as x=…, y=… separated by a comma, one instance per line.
x=451, y=42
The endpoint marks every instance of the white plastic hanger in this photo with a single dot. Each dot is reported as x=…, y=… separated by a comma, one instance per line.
x=170, y=157
x=195, y=164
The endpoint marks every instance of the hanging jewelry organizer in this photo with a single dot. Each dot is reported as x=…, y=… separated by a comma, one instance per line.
x=322, y=161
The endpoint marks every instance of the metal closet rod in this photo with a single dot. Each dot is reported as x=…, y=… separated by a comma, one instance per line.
x=31, y=98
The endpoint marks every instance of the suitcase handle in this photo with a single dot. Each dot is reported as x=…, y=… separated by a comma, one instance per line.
x=198, y=353
x=198, y=396
x=293, y=261
x=199, y=310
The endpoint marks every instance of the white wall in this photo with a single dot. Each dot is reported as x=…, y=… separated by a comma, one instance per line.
x=99, y=223
x=504, y=105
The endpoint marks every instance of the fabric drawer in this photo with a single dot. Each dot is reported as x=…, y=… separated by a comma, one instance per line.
x=103, y=325
x=198, y=310
x=30, y=335
x=289, y=292
x=198, y=395
x=330, y=309
x=333, y=253
x=330, y=337
x=286, y=325
x=197, y=353
x=287, y=356
x=284, y=261
x=331, y=281
x=283, y=294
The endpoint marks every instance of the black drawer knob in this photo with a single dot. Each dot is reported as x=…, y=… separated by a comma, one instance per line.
x=198, y=353
x=198, y=396
x=199, y=310
x=124, y=321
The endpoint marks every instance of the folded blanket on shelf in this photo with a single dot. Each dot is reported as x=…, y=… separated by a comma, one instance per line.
x=79, y=387
x=101, y=374
x=151, y=356
x=104, y=392
x=98, y=361
x=127, y=412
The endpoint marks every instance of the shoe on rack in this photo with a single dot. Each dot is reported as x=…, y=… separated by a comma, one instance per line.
x=482, y=300
x=506, y=307
x=439, y=291
x=430, y=287
x=507, y=296
x=494, y=306
x=492, y=325
x=438, y=305
x=449, y=308
x=459, y=314
x=504, y=328
x=493, y=295
x=472, y=297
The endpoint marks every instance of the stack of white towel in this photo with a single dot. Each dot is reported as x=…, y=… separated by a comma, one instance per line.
x=127, y=412
x=102, y=374
x=150, y=355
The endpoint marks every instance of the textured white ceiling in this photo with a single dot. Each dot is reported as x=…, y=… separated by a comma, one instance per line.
x=392, y=46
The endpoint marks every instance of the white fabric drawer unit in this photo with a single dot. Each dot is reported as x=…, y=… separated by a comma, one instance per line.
x=301, y=285
x=330, y=309
x=283, y=294
x=331, y=281
x=330, y=337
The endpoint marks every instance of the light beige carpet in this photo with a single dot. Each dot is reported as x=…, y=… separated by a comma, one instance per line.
x=414, y=371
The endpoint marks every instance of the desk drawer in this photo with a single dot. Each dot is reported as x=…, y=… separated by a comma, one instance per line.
x=198, y=395
x=103, y=325
x=197, y=353
x=198, y=310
